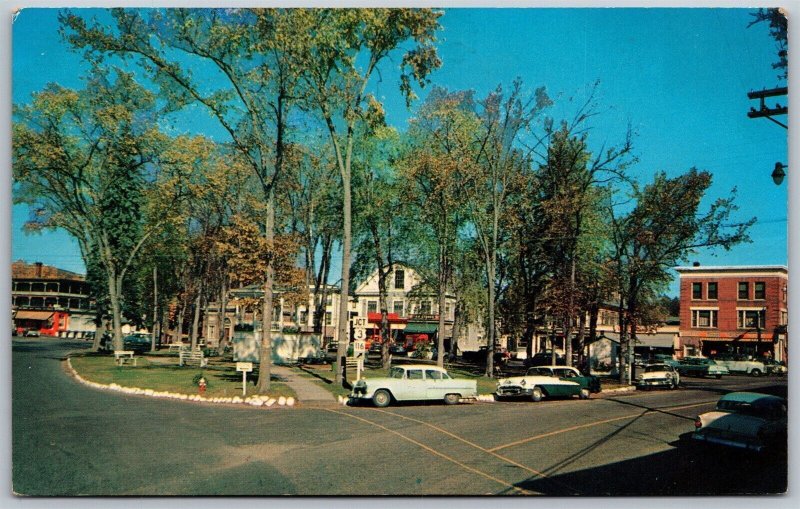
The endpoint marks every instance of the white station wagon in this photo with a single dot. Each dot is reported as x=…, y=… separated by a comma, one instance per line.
x=414, y=382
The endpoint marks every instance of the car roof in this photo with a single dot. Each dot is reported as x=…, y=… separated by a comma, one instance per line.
x=748, y=397
x=419, y=366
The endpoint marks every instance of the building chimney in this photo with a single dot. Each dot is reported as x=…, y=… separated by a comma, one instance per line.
x=696, y=264
x=38, y=269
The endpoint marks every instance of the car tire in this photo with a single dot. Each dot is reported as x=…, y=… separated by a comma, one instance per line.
x=451, y=399
x=381, y=398
x=718, y=377
x=536, y=394
x=755, y=372
x=584, y=394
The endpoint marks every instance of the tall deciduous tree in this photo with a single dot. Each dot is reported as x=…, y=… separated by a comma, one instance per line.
x=251, y=55
x=344, y=50
x=664, y=228
x=81, y=161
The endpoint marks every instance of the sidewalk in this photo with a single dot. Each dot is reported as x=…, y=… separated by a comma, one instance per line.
x=308, y=392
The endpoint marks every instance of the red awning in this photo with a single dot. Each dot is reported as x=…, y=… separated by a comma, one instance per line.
x=33, y=315
x=393, y=318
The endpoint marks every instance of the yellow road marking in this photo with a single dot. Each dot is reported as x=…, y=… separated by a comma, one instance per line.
x=591, y=424
x=435, y=452
x=482, y=449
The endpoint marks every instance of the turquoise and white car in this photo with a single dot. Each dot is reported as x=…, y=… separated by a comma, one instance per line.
x=701, y=366
x=413, y=382
x=745, y=420
x=548, y=382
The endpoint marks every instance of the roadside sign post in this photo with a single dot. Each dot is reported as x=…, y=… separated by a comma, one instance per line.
x=244, y=367
x=359, y=347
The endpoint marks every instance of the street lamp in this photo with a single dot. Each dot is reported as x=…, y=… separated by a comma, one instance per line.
x=778, y=174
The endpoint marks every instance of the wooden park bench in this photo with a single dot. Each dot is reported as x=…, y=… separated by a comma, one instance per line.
x=123, y=356
x=193, y=357
x=178, y=346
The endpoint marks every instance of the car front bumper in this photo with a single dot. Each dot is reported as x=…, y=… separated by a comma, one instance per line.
x=513, y=390
x=654, y=382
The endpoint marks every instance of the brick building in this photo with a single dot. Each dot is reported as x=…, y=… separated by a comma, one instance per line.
x=52, y=301
x=734, y=309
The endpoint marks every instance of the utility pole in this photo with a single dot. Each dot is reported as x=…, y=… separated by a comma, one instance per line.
x=765, y=111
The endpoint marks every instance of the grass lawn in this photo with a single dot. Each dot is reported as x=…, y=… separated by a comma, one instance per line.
x=162, y=373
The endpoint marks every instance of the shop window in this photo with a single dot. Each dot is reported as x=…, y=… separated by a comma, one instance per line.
x=760, y=290
x=704, y=318
x=751, y=318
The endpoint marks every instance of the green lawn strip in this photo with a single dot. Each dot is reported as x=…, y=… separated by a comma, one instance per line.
x=163, y=374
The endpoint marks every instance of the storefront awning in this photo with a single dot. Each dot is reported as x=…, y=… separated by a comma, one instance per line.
x=421, y=328
x=33, y=315
x=376, y=318
x=744, y=339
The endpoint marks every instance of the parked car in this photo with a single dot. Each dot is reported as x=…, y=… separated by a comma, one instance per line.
x=548, y=382
x=138, y=342
x=32, y=333
x=658, y=375
x=700, y=366
x=413, y=382
x=397, y=349
x=745, y=420
x=775, y=368
x=544, y=359
x=740, y=364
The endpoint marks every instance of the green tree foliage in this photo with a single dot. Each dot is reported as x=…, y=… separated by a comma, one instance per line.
x=664, y=228
x=81, y=159
x=344, y=49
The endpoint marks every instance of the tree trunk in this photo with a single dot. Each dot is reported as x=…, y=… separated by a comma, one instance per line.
x=221, y=315
x=198, y=301
x=491, y=332
x=265, y=363
x=116, y=314
x=442, y=291
x=343, y=325
x=155, y=328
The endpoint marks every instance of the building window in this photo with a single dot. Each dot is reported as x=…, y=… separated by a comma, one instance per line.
x=397, y=307
x=744, y=290
x=704, y=318
x=447, y=310
x=425, y=307
x=328, y=318
x=760, y=290
x=697, y=291
x=399, y=279
x=372, y=306
x=784, y=318
x=712, y=291
x=751, y=318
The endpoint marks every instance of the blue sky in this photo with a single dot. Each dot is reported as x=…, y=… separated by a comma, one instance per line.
x=679, y=77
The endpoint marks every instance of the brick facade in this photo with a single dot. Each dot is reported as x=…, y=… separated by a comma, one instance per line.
x=733, y=310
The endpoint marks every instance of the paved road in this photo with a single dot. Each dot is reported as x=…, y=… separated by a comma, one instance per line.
x=72, y=440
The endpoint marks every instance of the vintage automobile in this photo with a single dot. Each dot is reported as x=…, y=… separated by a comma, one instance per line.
x=544, y=359
x=658, y=375
x=138, y=342
x=745, y=420
x=775, y=368
x=741, y=364
x=701, y=366
x=413, y=382
x=32, y=333
x=548, y=382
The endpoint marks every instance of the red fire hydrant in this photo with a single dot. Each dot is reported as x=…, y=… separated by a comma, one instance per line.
x=202, y=385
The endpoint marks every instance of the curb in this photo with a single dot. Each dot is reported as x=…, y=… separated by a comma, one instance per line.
x=254, y=401
x=630, y=388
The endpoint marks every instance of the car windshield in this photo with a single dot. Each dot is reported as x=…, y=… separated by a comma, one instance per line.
x=655, y=367
x=396, y=373
x=539, y=372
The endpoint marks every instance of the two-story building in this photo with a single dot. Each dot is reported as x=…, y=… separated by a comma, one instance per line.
x=51, y=301
x=734, y=309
